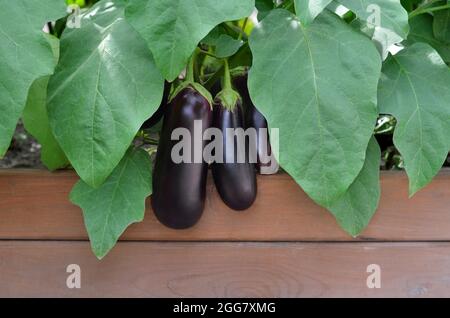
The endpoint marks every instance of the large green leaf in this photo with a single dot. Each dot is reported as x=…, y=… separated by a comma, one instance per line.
x=318, y=85
x=118, y=203
x=308, y=10
x=35, y=119
x=422, y=31
x=25, y=56
x=441, y=25
x=173, y=28
x=354, y=210
x=105, y=86
x=415, y=88
x=385, y=20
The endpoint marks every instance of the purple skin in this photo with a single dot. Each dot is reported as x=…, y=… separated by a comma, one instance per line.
x=158, y=115
x=179, y=189
x=253, y=117
x=235, y=182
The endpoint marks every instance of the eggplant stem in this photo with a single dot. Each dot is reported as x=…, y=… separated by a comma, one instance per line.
x=226, y=76
x=190, y=68
x=199, y=50
x=228, y=96
x=427, y=9
x=244, y=25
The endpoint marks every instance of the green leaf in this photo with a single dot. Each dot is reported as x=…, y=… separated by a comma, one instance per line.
x=105, y=86
x=441, y=25
x=214, y=35
x=264, y=7
x=173, y=28
x=409, y=5
x=118, y=203
x=25, y=56
x=224, y=44
x=385, y=20
x=35, y=119
x=354, y=210
x=227, y=46
x=308, y=10
x=320, y=91
x=415, y=88
x=54, y=44
x=422, y=31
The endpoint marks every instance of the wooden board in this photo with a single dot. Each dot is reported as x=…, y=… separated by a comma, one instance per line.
x=35, y=205
x=263, y=252
x=148, y=269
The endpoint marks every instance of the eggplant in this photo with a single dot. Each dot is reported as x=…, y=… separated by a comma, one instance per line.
x=235, y=182
x=179, y=189
x=254, y=119
x=385, y=140
x=158, y=115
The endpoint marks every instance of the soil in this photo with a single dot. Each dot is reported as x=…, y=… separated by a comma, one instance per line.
x=24, y=151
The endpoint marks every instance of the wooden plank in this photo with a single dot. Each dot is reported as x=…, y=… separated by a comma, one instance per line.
x=149, y=269
x=35, y=205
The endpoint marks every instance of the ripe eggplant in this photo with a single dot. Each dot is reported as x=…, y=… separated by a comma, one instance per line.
x=235, y=182
x=385, y=140
x=254, y=119
x=179, y=189
x=158, y=115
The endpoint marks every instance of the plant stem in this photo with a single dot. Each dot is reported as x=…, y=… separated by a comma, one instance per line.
x=426, y=9
x=206, y=53
x=233, y=28
x=190, y=68
x=244, y=25
x=226, y=76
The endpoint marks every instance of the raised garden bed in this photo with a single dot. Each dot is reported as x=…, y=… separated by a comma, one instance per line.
x=105, y=87
x=285, y=245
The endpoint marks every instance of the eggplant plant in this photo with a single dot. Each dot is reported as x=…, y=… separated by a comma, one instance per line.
x=323, y=74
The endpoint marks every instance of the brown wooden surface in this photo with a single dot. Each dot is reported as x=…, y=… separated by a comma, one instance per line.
x=41, y=233
x=149, y=269
x=35, y=205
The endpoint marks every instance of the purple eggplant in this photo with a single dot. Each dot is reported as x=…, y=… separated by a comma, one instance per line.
x=158, y=115
x=266, y=163
x=179, y=189
x=235, y=181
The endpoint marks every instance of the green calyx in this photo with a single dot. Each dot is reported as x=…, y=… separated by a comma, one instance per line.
x=228, y=97
x=196, y=86
x=190, y=82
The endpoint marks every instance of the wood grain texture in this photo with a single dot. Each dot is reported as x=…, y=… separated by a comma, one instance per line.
x=150, y=269
x=35, y=205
